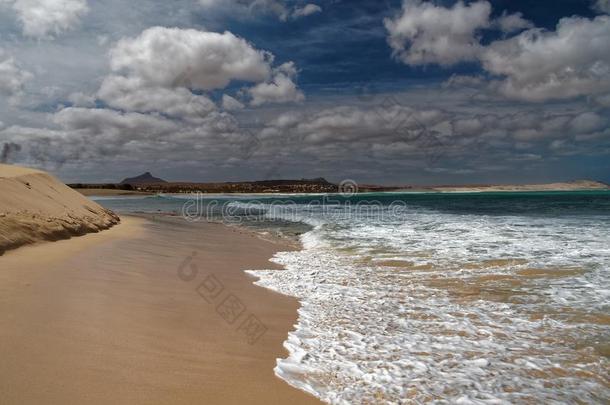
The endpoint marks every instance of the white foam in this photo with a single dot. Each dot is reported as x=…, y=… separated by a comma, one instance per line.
x=389, y=335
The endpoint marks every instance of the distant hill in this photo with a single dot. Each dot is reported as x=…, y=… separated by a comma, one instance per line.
x=145, y=178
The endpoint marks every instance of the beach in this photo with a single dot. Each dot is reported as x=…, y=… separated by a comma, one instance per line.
x=370, y=298
x=36, y=207
x=154, y=310
x=296, y=202
x=454, y=297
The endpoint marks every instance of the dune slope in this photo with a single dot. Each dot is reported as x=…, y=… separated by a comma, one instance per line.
x=35, y=206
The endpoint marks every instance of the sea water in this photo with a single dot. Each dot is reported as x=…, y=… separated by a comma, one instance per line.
x=485, y=298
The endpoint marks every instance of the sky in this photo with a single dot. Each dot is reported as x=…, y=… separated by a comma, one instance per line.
x=386, y=92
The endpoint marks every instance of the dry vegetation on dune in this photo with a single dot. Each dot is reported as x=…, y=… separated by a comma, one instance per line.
x=34, y=207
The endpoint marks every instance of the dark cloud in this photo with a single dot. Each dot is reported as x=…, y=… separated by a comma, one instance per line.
x=7, y=149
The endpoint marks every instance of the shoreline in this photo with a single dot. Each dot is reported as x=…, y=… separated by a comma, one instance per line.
x=136, y=195
x=244, y=188
x=121, y=317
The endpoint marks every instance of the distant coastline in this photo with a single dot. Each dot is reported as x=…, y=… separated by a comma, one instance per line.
x=312, y=186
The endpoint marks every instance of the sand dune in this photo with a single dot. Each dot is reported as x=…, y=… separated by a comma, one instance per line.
x=578, y=185
x=35, y=206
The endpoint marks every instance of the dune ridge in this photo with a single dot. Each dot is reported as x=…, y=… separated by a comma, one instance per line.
x=35, y=207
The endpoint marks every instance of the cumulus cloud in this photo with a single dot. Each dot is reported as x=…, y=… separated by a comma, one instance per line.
x=509, y=23
x=79, y=99
x=281, y=88
x=587, y=122
x=534, y=65
x=538, y=65
x=133, y=94
x=12, y=76
x=391, y=135
x=156, y=105
x=415, y=126
x=425, y=33
x=85, y=135
x=49, y=18
x=231, y=104
x=602, y=6
x=196, y=59
x=157, y=71
x=156, y=101
x=97, y=121
x=383, y=136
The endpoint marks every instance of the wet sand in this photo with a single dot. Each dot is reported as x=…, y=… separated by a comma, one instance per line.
x=149, y=312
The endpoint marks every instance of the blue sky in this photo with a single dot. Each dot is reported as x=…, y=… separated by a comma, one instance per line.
x=345, y=46
x=393, y=92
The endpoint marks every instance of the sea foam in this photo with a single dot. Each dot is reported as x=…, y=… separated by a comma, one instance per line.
x=486, y=309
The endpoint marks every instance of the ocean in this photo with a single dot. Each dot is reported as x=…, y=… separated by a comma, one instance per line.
x=468, y=298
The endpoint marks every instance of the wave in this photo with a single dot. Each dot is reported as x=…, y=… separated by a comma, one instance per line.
x=443, y=307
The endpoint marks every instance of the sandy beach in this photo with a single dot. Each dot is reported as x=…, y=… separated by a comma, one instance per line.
x=36, y=207
x=291, y=202
x=151, y=311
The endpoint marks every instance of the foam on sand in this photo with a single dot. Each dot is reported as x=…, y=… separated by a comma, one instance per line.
x=35, y=206
x=434, y=307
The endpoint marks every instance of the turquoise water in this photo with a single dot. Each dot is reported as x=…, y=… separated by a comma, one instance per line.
x=528, y=203
x=435, y=298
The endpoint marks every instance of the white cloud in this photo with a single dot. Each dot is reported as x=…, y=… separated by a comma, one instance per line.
x=231, y=104
x=281, y=88
x=425, y=33
x=308, y=9
x=538, y=65
x=49, y=18
x=79, y=99
x=156, y=71
x=603, y=6
x=509, y=23
x=12, y=76
x=132, y=94
x=105, y=121
x=160, y=120
x=379, y=136
x=587, y=122
x=534, y=65
x=201, y=60
x=151, y=108
x=83, y=136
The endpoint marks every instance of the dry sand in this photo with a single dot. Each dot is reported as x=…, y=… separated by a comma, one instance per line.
x=35, y=206
x=579, y=185
x=114, y=318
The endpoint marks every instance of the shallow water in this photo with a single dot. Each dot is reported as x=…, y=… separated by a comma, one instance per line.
x=487, y=298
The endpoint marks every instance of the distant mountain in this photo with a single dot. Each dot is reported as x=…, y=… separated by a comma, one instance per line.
x=145, y=178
